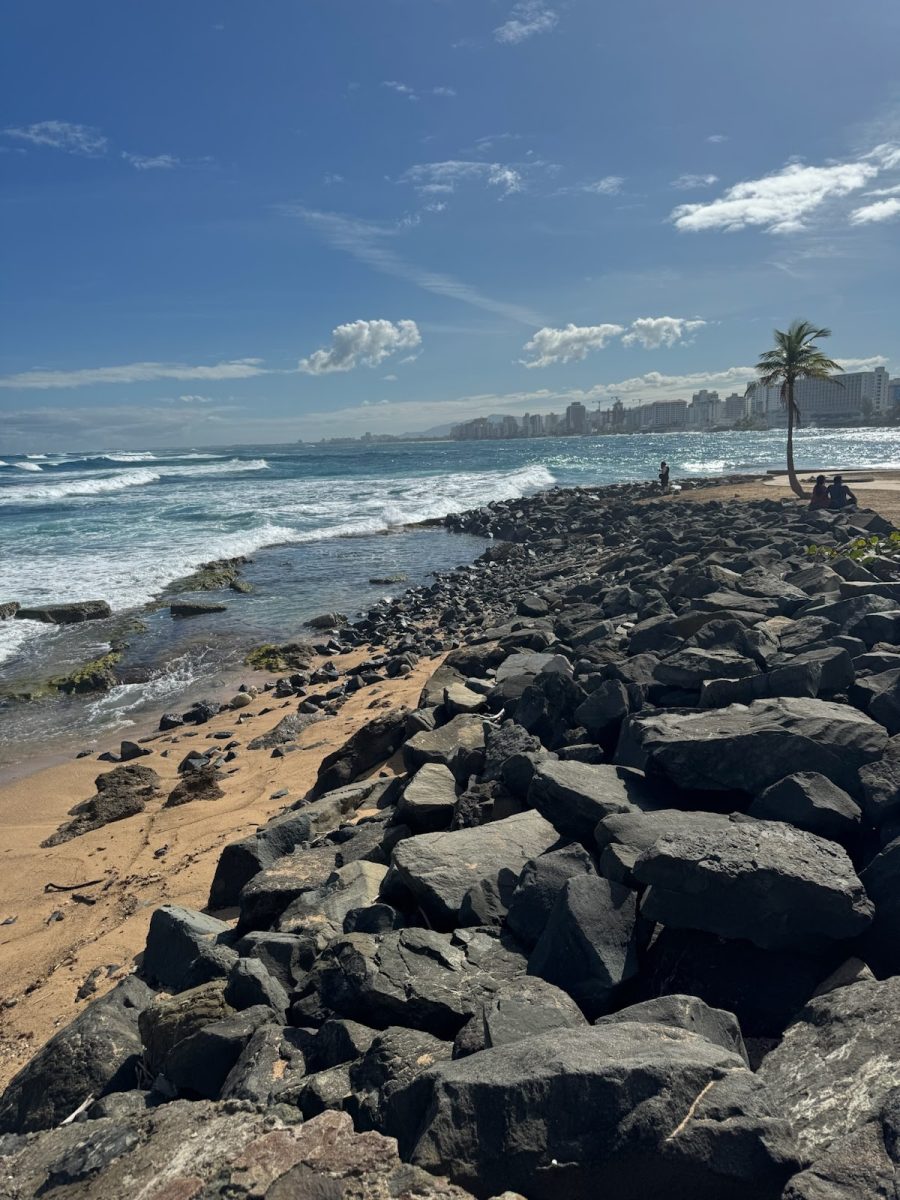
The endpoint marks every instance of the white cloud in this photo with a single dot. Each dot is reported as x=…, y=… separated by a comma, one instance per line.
x=443, y=91
x=331, y=177
x=778, y=203
x=609, y=185
x=156, y=162
x=444, y=177
x=570, y=344
x=653, y=332
x=717, y=138
x=863, y=364
x=141, y=372
x=84, y=140
x=194, y=399
x=881, y=210
x=369, y=243
x=689, y=182
x=526, y=18
x=362, y=344
x=888, y=191
x=404, y=89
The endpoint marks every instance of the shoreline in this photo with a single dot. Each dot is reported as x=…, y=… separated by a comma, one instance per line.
x=45, y=965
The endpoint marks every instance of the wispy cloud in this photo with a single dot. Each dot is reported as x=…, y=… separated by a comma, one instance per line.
x=717, y=138
x=154, y=162
x=362, y=344
x=83, y=140
x=687, y=183
x=140, y=372
x=881, y=210
x=370, y=243
x=784, y=201
x=411, y=93
x=609, y=185
x=527, y=18
x=573, y=343
x=445, y=177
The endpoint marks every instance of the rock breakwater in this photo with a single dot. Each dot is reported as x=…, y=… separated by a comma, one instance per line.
x=619, y=922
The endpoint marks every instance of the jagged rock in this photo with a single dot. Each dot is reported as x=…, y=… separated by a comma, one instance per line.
x=198, y=785
x=605, y=708
x=623, y=837
x=286, y=731
x=879, y=696
x=456, y=745
x=394, y=1058
x=748, y=748
x=199, y=1064
x=414, y=977
x=240, y=861
x=65, y=614
x=520, y=1008
x=271, y=1063
x=881, y=879
x=168, y=1020
x=626, y=1110
x=250, y=984
x=97, y=1053
x=837, y=1064
x=174, y=939
x=589, y=946
x=881, y=785
x=809, y=801
x=280, y=953
x=371, y=745
x=538, y=886
x=196, y=608
x=269, y=893
x=686, y=1012
x=318, y=915
x=439, y=868
x=459, y=699
x=574, y=796
x=428, y=799
x=764, y=881
x=338, y=1042
x=121, y=793
x=689, y=667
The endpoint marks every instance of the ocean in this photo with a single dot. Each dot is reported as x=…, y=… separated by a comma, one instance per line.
x=318, y=522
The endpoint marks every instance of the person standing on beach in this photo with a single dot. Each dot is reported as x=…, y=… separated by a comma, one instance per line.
x=839, y=495
x=820, y=497
x=664, y=476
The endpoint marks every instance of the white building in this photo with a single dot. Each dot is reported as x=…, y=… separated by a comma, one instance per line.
x=846, y=398
x=704, y=411
x=734, y=408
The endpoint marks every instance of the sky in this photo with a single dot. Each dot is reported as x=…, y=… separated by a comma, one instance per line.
x=226, y=222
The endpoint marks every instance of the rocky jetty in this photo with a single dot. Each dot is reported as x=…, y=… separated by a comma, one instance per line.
x=620, y=921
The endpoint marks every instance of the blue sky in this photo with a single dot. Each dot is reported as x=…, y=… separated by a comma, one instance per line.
x=226, y=222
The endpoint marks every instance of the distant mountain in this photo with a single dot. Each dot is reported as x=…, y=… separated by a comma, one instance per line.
x=444, y=430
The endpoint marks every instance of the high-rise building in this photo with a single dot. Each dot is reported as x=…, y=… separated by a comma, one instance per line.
x=551, y=423
x=664, y=414
x=847, y=397
x=576, y=418
x=893, y=394
x=704, y=409
x=535, y=425
x=734, y=408
x=509, y=427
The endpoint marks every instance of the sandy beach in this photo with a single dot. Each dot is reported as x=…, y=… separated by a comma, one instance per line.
x=126, y=869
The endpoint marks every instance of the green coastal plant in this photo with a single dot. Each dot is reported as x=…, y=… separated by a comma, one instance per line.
x=860, y=548
x=795, y=357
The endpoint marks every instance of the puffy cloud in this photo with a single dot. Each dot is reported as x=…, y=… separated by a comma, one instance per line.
x=653, y=332
x=686, y=183
x=443, y=177
x=570, y=344
x=881, y=210
x=141, y=372
x=84, y=140
x=362, y=343
x=778, y=203
x=526, y=18
x=155, y=162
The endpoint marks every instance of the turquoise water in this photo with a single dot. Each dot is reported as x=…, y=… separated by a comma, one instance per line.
x=318, y=522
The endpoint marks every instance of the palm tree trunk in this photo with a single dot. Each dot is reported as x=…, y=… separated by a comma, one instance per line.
x=796, y=486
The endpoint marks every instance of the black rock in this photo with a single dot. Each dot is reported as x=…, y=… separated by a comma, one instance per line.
x=174, y=939
x=520, y=1008
x=809, y=801
x=66, y=614
x=686, y=1012
x=369, y=746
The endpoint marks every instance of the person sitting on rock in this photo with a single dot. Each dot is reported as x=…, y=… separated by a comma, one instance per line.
x=820, y=497
x=839, y=495
x=664, y=476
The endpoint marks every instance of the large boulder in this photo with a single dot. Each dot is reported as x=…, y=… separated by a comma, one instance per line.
x=626, y=1110
x=686, y=1012
x=520, y=1008
x=623, y=837
x=393, y=1059
x=438, y=869
x=241, y=860
x=458, y=745
x=837, y=1065
x=428, y=799
x=765, y=881
x=589, y=946
x=175, y=937
x=97, y=1053
x=541, y=881
x=574, y=796
x=65, y=614
x=367, y=748
x=809, y=801
x=745, y=748
x=413, y=977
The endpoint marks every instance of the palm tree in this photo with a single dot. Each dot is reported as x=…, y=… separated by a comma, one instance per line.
x=795, y=357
